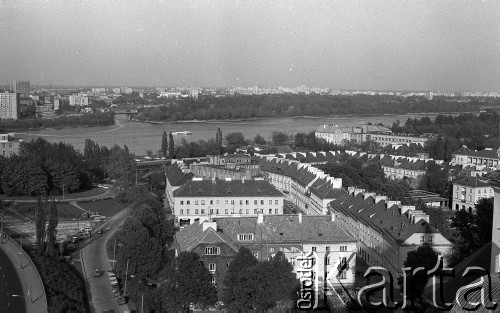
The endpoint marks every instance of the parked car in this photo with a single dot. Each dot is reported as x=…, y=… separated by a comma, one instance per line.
x=99, y=231
x=97, y=273
x=121, y=300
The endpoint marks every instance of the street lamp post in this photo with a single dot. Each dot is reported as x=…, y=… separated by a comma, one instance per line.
x=126, y=277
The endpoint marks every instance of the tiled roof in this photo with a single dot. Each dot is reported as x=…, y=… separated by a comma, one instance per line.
x=192, y=235
x=486, y=153
x=285, y=228
x=472, y=182
x=388, y=220
x=223, y=188
x=324, y=190
x=333, y=129
x=176, y=177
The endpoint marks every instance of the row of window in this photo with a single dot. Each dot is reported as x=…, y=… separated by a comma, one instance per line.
x=246, y=202
x=248, y=237
x=429, y=239
x=226, y=211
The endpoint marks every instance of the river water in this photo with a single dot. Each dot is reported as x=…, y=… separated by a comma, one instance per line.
x=141, y=136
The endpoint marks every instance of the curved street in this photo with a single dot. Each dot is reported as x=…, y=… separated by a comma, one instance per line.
x=11, y=290
x=93, y=256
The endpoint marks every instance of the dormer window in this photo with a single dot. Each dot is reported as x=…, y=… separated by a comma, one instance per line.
x=245, y=237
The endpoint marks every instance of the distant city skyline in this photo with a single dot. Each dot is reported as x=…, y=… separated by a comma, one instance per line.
x=342, y=45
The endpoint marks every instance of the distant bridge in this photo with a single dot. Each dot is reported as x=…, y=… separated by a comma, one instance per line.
x=128, y=113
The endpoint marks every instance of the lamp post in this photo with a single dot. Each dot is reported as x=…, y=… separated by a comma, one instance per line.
x=126, y=277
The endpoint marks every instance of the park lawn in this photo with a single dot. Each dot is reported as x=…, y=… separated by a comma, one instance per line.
x=68, y=210
x=107, y=207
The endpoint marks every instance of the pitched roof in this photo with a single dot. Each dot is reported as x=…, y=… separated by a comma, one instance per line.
x=192, y=235
x=485, y=153
x=285, y=228
x=223, y=188
x=333, y=129
x=176, y=177
x=472, y=182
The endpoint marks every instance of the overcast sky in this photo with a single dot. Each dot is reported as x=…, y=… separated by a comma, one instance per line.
x=372, y=44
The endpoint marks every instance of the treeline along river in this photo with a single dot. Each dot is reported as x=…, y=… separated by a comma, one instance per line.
x=141, y=136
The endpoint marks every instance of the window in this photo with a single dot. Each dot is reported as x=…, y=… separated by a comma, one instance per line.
x=343, y=248
x=262, y=202
x=271, y=250
x=255, y=202
x=232, y=201
x=217, y=211
x=187, y=211
x=212, y=251
x=247, y=202
x=211, y=202
x=202, y=202
x=429, y=239
x=212, y=280
x=245, y=237
x=212, y=267
x=246, y=211
x=328, y=249
x=327, y=260
x=479, y=192
x=188, y=202
x=270, y=211
x=270, y=202
x=255, y=254
x=226, y=202
x=182, y=211
x=217, y=201
x=313, y=249
x=196, y=202
x=227, y=266
x=276, y=202
x=421, y=238
x=202, y=211
x=254, y=211
x=226, y=211
x=182, y=202
x=275, y=211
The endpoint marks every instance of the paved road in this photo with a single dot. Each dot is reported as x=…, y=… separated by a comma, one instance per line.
x=93, y=256
x=107, y=193
x=11, y=290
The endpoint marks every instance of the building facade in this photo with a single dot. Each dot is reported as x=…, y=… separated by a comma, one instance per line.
x=487, y=157
x=21, y=87
x=78, y=100
x=9, y=145
x=200, y=199
x=385, y=230
x=8, y=106
x=467, y=191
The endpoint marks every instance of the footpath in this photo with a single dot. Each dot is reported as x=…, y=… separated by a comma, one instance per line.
x=34, y=292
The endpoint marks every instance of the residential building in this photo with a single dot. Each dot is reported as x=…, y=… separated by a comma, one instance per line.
x=467, y=191
x=217, y=240
x=428, y=198
x=8, y=106
x=361, y=133
x=234, y=166
x=126, y=90
x=486, y=158
x=8, y=144
x=78, y=100
x=175, y=177
x=21, y=87
x=116, y=91
x=307, y=187
x=385, y=230
x=201, y=199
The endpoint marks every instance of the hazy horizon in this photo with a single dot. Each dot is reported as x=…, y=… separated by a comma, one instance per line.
x=368, y=45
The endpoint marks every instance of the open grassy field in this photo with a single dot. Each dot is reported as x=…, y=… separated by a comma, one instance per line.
x=108, y=207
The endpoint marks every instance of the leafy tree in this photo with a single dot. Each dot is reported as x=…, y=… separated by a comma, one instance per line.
x=121, y=165
x=139, y=249
x=164, y=144
x=300, y=140
x=475, y=230
x=50, y=249
x=194, y=281
x=259, y=140
x=40, y=221
x=235, y=140
x=435, y=179
x=424, y=257
x=244, y=259
x=218, y=141
x=279, y=138
x=171, y=147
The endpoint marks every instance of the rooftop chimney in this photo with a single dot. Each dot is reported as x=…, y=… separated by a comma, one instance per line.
x=260, y=218
x=208, y=224
x=380, y=198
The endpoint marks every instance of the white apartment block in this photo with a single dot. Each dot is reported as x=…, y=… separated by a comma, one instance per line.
x=8, y=106
x=78, y=100
x=468, y=191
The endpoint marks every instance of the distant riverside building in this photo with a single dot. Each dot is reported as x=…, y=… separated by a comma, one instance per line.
x=116, y=91
x=78, y=100
x=99, y=90
x=21, y=87
x=200, y=199
x=8, y=144
x=340, y=134
x=125, y=90
x=8, y=106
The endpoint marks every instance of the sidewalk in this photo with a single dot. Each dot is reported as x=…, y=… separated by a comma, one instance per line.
x=34, y=292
